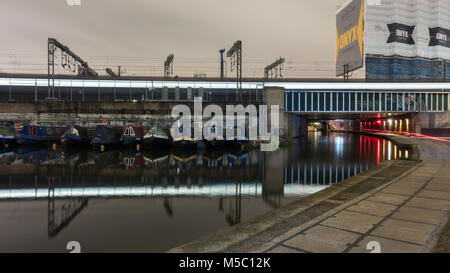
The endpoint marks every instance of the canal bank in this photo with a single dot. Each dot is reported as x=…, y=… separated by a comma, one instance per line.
x=401, y=205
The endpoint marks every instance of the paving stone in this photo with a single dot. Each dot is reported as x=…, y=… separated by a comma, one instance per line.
x=434, y=194
x=441, y=180
x=283, y=249
x=372, y=208
x=352, y=221
x=288, y=234
x=391, y=172
x=443, y=175
x=401, y=190
x=404, y=231
x=421, y=215
x=434, y=186
x=421, y=174
x=386, y=246
x=428, y=203
x=323, y=240
x=412, y=179
x=393, y=199
x=416, y=185
x=264, y=247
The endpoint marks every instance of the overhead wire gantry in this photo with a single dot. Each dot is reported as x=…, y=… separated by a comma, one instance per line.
x=69, y=61
x=235, y=55
x=275, y=69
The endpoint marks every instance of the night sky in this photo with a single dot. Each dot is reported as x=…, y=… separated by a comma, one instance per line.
x=139, y=34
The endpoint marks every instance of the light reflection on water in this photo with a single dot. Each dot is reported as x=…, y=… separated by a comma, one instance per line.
x=155, y=200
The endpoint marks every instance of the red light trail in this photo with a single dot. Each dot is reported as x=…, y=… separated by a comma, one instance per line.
x=409, y=133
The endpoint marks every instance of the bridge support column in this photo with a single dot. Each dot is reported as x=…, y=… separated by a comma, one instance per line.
x=430, y=120
x=290, y=124
x=274, y=180
x=356, y=125
x=298, y=125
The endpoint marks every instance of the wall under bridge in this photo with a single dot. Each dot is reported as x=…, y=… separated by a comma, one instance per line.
x=292, y=125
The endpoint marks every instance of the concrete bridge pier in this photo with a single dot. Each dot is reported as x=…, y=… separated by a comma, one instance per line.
x=291, y=125
x=356, y=125
x=430, y=121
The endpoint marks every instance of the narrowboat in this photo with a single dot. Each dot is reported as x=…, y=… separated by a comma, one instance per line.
x=181, y=141
x=132, y=136
x=40, y=135
x=214, y=160
x=8, y=135
x=76, y=135
x=7, y=158
x=237, y=159
x=105, y=136
x=185, y=160
x=215, y=139
x=239, y=139
x=40, y=156
x=108, y=159
x=132, y=160
x=158, y=137
x=156, y=158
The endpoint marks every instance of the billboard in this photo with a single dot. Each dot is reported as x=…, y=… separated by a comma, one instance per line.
x=349, y=37
x=405, y=28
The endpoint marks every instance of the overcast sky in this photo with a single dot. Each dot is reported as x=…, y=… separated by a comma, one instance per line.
x=139, y=34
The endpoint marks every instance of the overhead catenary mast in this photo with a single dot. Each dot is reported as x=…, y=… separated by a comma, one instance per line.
x=168, y=66
x=235, y=55
x=276, y=67
x=69, y=61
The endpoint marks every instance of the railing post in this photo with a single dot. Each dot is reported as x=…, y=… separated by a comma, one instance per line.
x=35, y=90
x=10, y=90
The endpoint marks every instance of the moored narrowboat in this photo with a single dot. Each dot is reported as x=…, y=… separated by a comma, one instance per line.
x=40, y=135
x=158, y=137
x=185, y=160
x=76, y=135
x=132, y=136
x=214, y=159
x=8, y=135
x=216, y=137
x=237, y=158
x=183, y=141
x=156, y=158
x=106, y=136
x=132, y=160
x=239, y=139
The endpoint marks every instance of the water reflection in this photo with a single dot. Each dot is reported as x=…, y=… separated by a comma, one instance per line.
x=80, y=185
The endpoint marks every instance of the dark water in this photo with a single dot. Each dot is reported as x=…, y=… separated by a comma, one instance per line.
x=118, y=201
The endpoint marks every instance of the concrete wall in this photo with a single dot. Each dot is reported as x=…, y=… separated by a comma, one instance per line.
x=290, y=124
x=431, y=120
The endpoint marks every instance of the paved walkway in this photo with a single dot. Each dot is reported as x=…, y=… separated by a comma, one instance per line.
x=401, y=216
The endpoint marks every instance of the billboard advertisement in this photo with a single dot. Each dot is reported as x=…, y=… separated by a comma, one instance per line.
x=349, y=37
x=405, y=28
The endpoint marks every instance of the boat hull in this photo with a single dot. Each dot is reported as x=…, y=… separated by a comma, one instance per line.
x=74, y=140
x=216, y=143
x=131, y=141
x=35, y=140
x=156, y=142
x=97, y=142
x=185, y=144
x=7, y=140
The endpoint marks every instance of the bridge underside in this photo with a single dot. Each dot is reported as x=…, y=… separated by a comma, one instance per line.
x=348, y=116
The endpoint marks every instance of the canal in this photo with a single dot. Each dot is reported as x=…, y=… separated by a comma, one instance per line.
x=121, y=201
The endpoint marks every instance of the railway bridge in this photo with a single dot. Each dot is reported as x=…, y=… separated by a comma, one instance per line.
x=416, y=105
